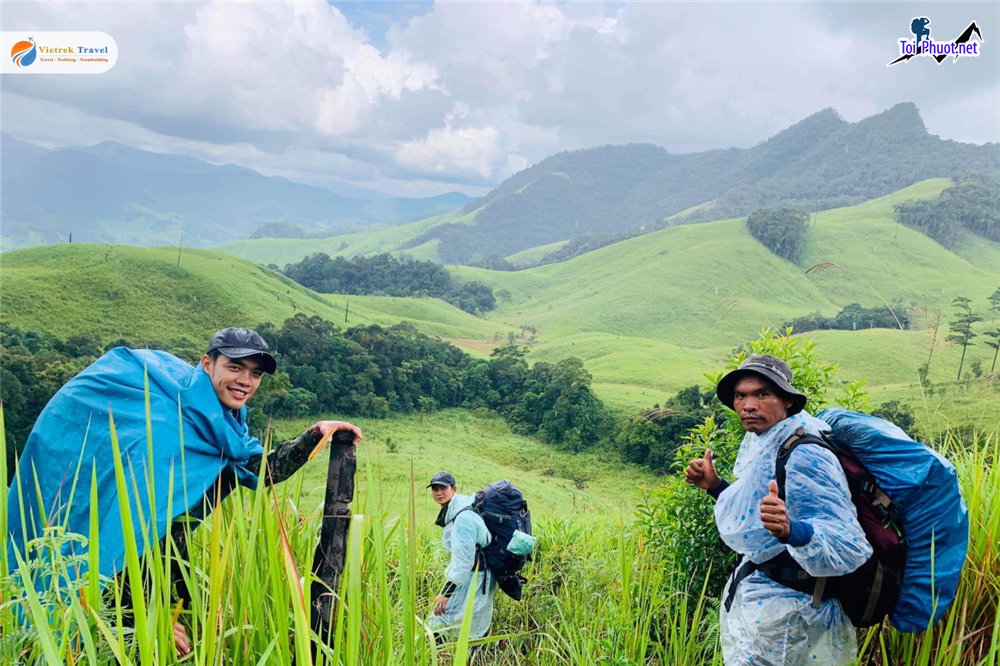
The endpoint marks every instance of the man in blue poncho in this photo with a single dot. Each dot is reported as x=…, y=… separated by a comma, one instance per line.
x=764, y=622
x=464, y=532
x=200, y=444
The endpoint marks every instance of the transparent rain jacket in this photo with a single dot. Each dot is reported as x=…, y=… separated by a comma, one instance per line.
x=462, y=533
x=768, y=623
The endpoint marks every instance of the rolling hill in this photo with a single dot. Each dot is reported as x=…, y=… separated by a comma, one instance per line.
x=141, y=293
x=114, y=193
x=648, y=316
x=659, y=311
x=533, y=255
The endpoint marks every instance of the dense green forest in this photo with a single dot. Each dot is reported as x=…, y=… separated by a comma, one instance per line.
x=780, y=231
x=973, y=204
x=371, y=371
x=385, y=275
x=587, y=243
x=819, y=163
x=377, y=371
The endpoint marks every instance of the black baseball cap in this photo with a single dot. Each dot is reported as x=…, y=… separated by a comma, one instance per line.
x=242, y=343
x=769, y=367
x=443, y=479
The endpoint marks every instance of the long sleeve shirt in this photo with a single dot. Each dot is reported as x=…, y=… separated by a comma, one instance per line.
x=282, y=461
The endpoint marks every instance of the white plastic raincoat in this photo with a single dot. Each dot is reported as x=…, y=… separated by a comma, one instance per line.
x=462, y=533
x=770, y=624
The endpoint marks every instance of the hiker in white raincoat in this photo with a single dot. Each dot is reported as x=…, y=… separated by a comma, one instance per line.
x=767, y=623
x=464, y=530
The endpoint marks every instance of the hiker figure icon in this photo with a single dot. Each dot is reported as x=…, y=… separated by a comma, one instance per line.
x=920, y=30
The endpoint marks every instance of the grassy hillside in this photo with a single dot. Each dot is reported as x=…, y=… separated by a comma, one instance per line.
x=478, y=448
x=141, y=292
x=535, y=254
x=281, y=251
x=648, y=316
x=424, y=252
x=659, y=311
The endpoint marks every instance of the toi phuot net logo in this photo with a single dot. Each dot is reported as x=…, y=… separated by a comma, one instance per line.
x=24, y=53
x=57, y=52
x=923, y=45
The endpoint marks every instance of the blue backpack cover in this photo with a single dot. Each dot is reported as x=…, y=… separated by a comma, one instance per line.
x=73, y=433
x=933, y=514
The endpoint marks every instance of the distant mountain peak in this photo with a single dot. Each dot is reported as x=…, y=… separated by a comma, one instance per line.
x=903, y=117
x=811, y=128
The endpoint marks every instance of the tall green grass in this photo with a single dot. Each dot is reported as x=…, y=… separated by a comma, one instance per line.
x=596, y=594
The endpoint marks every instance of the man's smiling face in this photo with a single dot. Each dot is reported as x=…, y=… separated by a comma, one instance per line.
x=234, y=379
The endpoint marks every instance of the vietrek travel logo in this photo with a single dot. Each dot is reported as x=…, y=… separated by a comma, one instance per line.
x=923, y=45
x=24, y=53
x=57, y=52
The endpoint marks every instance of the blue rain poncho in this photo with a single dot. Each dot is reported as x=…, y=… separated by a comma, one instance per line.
x=770, y=624
x=60, y=443
x=462, y=533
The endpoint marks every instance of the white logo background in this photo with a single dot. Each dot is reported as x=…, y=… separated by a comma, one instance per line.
x=49, y=63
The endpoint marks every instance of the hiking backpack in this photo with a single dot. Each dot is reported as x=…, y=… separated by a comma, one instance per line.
x=911, y=510
x=503, y=509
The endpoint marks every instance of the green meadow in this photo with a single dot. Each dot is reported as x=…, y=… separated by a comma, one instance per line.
x=597, y=590
x=534, y=254
x=479, y=448
x=661, y=310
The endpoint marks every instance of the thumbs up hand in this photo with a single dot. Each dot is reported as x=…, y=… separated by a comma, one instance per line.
x=701, y=472
x=773, y=513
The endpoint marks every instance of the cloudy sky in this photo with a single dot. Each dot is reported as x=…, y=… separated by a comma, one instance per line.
x=416, y=99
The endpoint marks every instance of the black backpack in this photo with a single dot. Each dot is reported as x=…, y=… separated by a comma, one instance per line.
x=869, y=593
x=503, y=509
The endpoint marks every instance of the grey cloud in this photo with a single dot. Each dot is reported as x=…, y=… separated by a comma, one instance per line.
x=529, y=80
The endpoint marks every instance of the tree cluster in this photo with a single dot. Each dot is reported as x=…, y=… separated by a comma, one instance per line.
x=493, y=262
x=651, y=437
x=854, y=317
x=385, y=275
x=972, y=204
x=366, y=370
x=781, y=230
x=34, y=366
x=377, y=371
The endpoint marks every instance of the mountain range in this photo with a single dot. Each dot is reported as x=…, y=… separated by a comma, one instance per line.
x=110, y=192
x=821, y=162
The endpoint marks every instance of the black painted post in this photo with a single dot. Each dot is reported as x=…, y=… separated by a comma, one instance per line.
x=331, y=553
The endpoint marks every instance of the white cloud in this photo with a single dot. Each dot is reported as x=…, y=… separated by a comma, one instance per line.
x=452, y=150
x=301, y=66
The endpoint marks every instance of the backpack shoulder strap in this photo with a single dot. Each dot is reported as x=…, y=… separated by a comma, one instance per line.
x=460, y=512
x=799, y=438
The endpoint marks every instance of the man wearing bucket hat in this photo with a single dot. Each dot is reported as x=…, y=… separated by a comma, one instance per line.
x=763, y=622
